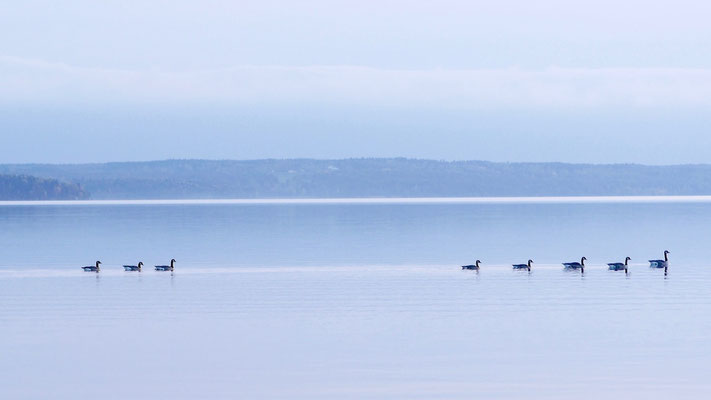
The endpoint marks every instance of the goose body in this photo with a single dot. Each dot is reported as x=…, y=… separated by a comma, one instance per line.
x=133, y=267
x=166, y=267
x=473, y=266
x=576, y=265
x=619, y=266
x=523, y=266
x=660, y=263
x=92, y=268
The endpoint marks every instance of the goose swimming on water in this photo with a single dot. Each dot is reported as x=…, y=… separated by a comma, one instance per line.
x=523, y=266
x=474, y=266
x=166, y=267
x=133, y=267
x=660, y=263
x=619, y=266
x=576, y=265
x=92, y=268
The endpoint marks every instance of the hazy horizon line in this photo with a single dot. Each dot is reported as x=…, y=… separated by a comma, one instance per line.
x=376, y=200
x=352, y=159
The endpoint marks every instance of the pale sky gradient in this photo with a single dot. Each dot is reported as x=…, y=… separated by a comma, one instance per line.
x=587, y=81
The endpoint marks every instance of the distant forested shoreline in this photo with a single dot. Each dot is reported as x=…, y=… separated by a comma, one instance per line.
x=365, y=177
x=25, y=187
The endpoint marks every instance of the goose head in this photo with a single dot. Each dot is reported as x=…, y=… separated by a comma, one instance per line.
x=477, y=263
x=666, y=257
x=140, y=264
x=97, y=265
x=582, y=261
x=627, y=259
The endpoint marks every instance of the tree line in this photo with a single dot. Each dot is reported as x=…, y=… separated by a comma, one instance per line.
x=26, y=187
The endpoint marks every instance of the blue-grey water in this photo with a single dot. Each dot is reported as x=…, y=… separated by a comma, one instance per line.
x=361, y=301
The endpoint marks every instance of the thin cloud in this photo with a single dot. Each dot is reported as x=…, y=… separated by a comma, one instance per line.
x=27, y=81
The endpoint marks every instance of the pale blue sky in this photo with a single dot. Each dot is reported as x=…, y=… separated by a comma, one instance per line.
x=585, y=81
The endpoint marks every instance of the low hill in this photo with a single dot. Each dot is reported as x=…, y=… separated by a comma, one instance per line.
x=379, y=177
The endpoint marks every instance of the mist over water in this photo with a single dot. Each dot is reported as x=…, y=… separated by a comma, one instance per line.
x=354, y=301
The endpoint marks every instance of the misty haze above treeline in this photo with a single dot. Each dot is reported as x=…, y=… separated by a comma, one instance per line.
x=365, y=177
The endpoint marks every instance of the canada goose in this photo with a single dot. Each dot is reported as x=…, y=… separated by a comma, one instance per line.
x=133, y=267
x=166, y=267
x=523, y=266
x=92, y=268
x=619, y=266
x=576, y=265
x=475, y=266
x=660, y=263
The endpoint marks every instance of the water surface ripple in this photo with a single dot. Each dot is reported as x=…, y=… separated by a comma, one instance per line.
x=322, y=301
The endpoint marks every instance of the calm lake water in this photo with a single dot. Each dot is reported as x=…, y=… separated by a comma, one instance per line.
x=354, y=301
